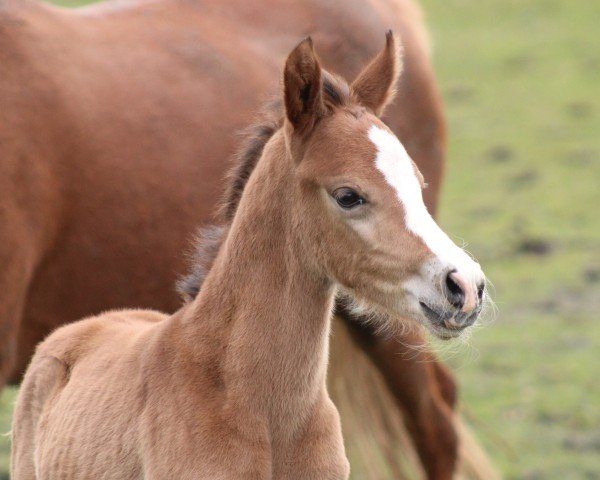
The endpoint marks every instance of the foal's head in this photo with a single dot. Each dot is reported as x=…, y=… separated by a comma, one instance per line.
x=359, y=198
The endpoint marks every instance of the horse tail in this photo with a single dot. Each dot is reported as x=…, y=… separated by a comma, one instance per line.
x=377, y=443
x=473, y=461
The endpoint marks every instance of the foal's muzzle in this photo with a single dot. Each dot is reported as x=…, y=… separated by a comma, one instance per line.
x=461, y=294
x=462, y=306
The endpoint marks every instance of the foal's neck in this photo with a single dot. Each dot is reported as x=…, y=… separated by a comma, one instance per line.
x=269, y=311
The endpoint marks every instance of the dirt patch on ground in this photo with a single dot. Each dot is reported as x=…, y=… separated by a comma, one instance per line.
x=587, y=441
x=501, y=154
x=534, y=246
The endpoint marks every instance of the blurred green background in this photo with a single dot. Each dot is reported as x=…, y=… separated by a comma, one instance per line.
x=521, y=81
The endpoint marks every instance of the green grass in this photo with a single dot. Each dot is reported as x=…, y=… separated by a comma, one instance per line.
x=6, y=405
x=521, y=81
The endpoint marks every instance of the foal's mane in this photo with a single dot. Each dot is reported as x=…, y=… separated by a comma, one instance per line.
x=336, y=93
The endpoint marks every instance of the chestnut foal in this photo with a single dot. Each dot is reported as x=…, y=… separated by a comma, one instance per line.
x=232, y=386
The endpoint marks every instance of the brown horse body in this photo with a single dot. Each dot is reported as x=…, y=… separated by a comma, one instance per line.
x=232, y=386
x=113, y=152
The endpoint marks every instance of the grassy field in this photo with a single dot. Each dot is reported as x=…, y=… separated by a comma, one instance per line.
x=521, y=80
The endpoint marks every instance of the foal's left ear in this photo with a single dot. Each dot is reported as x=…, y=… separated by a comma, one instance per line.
x=375, y=86
x=302, y=87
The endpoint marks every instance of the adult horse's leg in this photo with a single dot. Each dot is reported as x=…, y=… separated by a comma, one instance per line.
x=422, y=387
x=14, y=279
x=11, y=310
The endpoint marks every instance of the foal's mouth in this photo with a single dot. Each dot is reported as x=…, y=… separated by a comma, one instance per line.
x=448, y=323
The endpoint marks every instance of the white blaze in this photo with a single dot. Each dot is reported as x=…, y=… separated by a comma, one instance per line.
x=393, y=162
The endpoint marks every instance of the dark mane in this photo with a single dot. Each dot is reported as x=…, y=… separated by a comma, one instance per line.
x=253, y=141
x=336, y=93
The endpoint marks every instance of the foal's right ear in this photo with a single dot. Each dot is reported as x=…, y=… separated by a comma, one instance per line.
x=302, y=87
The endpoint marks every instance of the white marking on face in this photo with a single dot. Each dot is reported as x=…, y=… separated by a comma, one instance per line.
x=393, y=162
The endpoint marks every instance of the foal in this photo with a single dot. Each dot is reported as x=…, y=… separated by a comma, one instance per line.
x=232, y=386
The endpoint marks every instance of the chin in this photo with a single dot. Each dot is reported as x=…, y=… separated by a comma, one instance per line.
x=395, y=316
x=442, y=332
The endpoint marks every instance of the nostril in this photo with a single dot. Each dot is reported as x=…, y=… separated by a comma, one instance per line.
x=480, y=289
x=452, y=285
x=454, y=292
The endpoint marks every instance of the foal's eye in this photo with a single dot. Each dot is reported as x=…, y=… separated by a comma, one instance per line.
x=348, y=198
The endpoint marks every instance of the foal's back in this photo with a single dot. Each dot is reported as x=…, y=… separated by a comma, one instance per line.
x=102, y=359
x=130, y=368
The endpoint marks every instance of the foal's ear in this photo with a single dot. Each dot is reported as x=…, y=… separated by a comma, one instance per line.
x=302, y=86
x=375, y=86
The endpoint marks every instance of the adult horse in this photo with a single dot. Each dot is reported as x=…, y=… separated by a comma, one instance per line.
x=95, y=98
x=232, y=385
